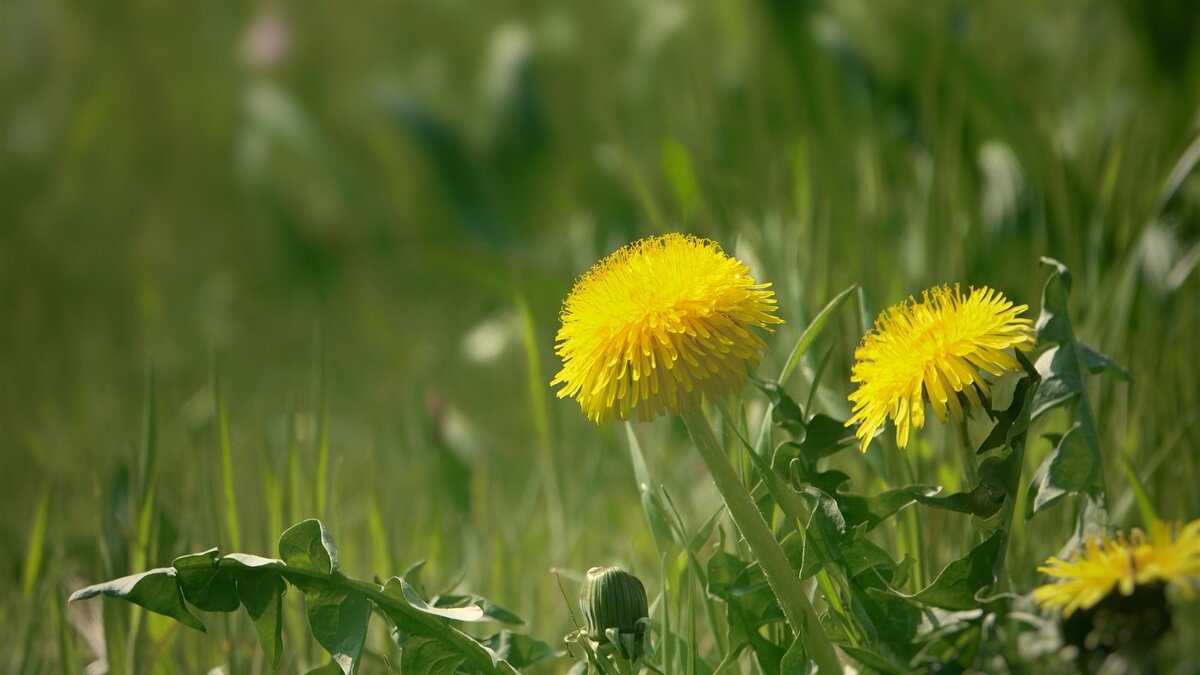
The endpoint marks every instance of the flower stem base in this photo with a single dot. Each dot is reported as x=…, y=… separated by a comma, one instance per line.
x=782, y=578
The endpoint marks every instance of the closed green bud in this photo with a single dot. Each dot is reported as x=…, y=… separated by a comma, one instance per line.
x=612, y=598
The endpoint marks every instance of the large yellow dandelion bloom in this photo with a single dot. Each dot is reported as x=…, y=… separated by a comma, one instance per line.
x=933, y=350
x=1169, y=555
x=659, y=324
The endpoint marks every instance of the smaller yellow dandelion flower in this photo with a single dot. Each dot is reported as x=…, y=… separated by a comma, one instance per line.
x=932, y=351
x=659, y=324
x=1170, y=555
x=1089, y=577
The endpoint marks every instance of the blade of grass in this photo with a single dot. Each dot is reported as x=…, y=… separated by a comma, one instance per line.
x=811, y=333
x=803, y=344
x=147, y=486
x=36, y=550
x=691, y=545
x=272, y=487
x=147, y=473
x=381, y=551
x=295, y=509
x=816, y=380
x=322, y=483
x=668, y=636
x=230, y=495
x=67, y=656
x=148, y=456
x=1145, y=507
x=660, y=527
x=541, y=422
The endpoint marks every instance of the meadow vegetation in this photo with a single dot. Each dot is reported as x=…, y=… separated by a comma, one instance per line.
x=261, y=264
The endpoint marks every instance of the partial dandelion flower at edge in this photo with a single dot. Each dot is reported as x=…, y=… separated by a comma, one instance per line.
x=1169, y=555
x=933, y=350
x=658, y=325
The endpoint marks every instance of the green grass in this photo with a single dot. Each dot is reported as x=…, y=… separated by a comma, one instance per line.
x=367, y=247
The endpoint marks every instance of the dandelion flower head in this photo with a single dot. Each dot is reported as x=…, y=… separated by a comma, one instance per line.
x=1169, y=555
x=659, y=324
x=933, y=350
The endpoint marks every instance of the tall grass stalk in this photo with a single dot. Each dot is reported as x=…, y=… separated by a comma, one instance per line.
x=233, y=527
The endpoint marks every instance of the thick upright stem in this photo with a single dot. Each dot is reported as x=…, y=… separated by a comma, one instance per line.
x=782, y=578
x=967, y=450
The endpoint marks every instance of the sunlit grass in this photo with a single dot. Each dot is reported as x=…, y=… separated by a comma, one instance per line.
x=320, y=236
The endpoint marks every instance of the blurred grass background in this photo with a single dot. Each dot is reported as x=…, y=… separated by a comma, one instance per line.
x=362, y=221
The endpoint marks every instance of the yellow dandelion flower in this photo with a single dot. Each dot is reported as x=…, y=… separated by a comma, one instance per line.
x=1170, y=555
x=659, y=324
x=933, y=350
x=1104, y=564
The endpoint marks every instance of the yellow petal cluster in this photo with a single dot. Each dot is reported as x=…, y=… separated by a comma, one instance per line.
x=1170, y=554
x=659, y=324
x=932, y=351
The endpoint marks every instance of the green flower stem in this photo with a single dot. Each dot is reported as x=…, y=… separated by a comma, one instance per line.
x=969, y=459
x=900, y=469
x=783, y=579
x=1011, y=483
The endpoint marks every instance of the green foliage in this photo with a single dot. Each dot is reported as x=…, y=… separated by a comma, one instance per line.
x=879, y=623
x=339, y=608
x=958, y=585
x=157, y=590
x=1075, y=463
x=339, y=220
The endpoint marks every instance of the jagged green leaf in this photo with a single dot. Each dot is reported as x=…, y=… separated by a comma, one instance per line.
x=308, y=546
x=157, y=590
x=802, y=473
x=744, y=586
x=261, y=593
x=795, y=661
x=401, y=589
x=338, y=619
x=961, y=580
x=1097, y=363
x=871, y=511
x=806, y=560
x=338, y=608
x=895, y=618
x=1061, y=380
x=873, y=659
x=1070, y=467
x=861, y=555
x=205, y=583
x=519, y=650
x=488, y=609
x=1054, y=324
x=1013, y=421
x=785, y=412
x=988, y=495
x=749, y=605
x=822, y=437
x=948, y=637
x=429, y=657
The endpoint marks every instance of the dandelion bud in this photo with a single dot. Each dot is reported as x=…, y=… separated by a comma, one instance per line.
x=612, y=598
